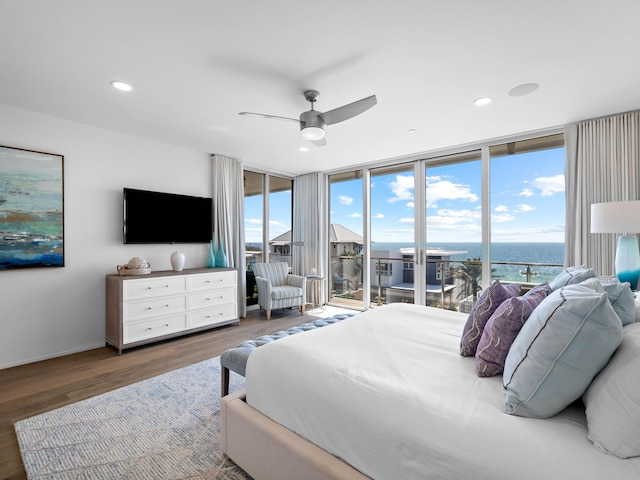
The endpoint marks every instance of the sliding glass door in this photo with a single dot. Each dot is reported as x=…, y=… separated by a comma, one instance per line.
x=346, y=240
x=453, y=251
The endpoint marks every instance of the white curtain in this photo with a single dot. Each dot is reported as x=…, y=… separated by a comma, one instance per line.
x=602, y=165
x=228, y=218
x=307, y=248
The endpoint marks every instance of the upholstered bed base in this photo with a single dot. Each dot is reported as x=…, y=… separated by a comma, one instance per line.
x=267, y=450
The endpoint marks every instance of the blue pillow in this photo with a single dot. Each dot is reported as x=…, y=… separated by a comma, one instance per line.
x=621, y=298
x=571, y=276
x=563, y=345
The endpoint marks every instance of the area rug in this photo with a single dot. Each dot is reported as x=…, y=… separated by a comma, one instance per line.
x=166, y=427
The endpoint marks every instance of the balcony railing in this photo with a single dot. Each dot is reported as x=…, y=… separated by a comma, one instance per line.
x=451, y=284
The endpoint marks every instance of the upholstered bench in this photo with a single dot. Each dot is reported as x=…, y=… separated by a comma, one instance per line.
x=236, y=358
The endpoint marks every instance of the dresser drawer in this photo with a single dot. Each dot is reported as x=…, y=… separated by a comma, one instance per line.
x=153, y=307
x=213, y=298
x=211, y=316
x=142, y=330
x=153, y=287
x=207, y=281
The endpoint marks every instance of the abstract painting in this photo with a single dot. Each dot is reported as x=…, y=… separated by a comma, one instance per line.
x=31, y=209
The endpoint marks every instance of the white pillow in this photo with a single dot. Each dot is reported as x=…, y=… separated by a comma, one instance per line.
x=613, y=400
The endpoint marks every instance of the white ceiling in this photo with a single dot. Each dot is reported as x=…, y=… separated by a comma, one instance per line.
x=195, y=64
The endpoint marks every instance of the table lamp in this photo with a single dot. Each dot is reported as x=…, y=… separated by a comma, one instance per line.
x=621, y=217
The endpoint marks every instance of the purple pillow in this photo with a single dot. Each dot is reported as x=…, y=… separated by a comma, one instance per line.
x=503, y=328
x=486, y=305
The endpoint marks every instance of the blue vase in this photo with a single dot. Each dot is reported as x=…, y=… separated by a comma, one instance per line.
x=221, y=258
x=211, y=258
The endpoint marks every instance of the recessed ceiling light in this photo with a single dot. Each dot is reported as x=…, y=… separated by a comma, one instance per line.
x=482, y=101
x=303, y=149
x=411, y=130
x=524, y=89
x=125, y=87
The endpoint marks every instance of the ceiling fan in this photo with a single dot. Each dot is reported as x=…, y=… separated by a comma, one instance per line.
x=312, y=122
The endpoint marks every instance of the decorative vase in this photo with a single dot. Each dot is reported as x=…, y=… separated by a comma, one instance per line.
x=177, y=261
x=221, y=258
x=211, y=259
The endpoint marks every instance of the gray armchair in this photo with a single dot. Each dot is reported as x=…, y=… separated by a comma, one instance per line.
x=279, y=289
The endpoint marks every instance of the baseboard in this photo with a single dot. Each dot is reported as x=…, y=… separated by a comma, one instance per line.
x=50, y=356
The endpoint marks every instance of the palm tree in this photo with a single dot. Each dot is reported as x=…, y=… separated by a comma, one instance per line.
x=470, y=272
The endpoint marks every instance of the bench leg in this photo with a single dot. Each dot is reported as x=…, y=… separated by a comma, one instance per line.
x=225, y=381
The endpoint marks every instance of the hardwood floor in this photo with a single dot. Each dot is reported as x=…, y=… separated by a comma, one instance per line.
x=35, y=388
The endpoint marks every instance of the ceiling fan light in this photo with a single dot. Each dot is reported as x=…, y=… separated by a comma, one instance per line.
x=312, y=133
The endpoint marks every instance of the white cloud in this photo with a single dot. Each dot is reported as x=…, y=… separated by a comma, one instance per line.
x=253, y=221
x=501, y=208
x=344, y=200
x=447, y=217
x=505, y=217
x=523, y=207
x=402, y=188
x=549, y=185
x=446, y=190
x=526, y=192
x=406, y=220
x=411, y=204
x=354, y=215
x=276, y=223
x=379, y=215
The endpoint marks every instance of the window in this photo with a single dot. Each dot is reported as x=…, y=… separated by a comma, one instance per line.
x=276, y=233
x=527, y=209
x=385, y=269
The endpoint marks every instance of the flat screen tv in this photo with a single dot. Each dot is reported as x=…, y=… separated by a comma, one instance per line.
x=156, y=217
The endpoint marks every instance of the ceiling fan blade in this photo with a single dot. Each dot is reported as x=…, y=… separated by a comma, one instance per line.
x=346, y=112
x=272, y=117
x=319, y=143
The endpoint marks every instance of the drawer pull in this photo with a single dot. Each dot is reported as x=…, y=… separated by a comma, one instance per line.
x=151, y=288
x=151, y=308
x=151, y=328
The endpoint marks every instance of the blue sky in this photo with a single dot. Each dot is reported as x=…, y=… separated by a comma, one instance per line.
x=527, y=203
x=279, y=216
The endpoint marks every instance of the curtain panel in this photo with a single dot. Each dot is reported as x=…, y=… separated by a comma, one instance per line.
x=228, y=218
x=602, y=165
x=307, y=248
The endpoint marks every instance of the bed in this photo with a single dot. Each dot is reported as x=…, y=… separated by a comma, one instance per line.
x=387, y=395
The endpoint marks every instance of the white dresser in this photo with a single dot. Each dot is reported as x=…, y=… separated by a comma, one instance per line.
x=148, y=308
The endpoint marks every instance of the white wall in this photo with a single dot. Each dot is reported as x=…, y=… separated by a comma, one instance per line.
x=48, y=312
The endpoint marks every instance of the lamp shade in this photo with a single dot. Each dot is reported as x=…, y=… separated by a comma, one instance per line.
x=615, y=217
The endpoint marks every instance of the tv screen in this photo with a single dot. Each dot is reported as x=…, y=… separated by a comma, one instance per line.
x=156, y=217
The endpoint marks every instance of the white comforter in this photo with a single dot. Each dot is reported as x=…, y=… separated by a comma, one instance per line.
x=388, y=392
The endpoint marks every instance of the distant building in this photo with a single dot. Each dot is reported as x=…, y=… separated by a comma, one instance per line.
x=393, y=273
x=341, y=239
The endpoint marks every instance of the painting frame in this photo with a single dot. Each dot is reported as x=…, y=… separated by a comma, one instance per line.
x=31, y=209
